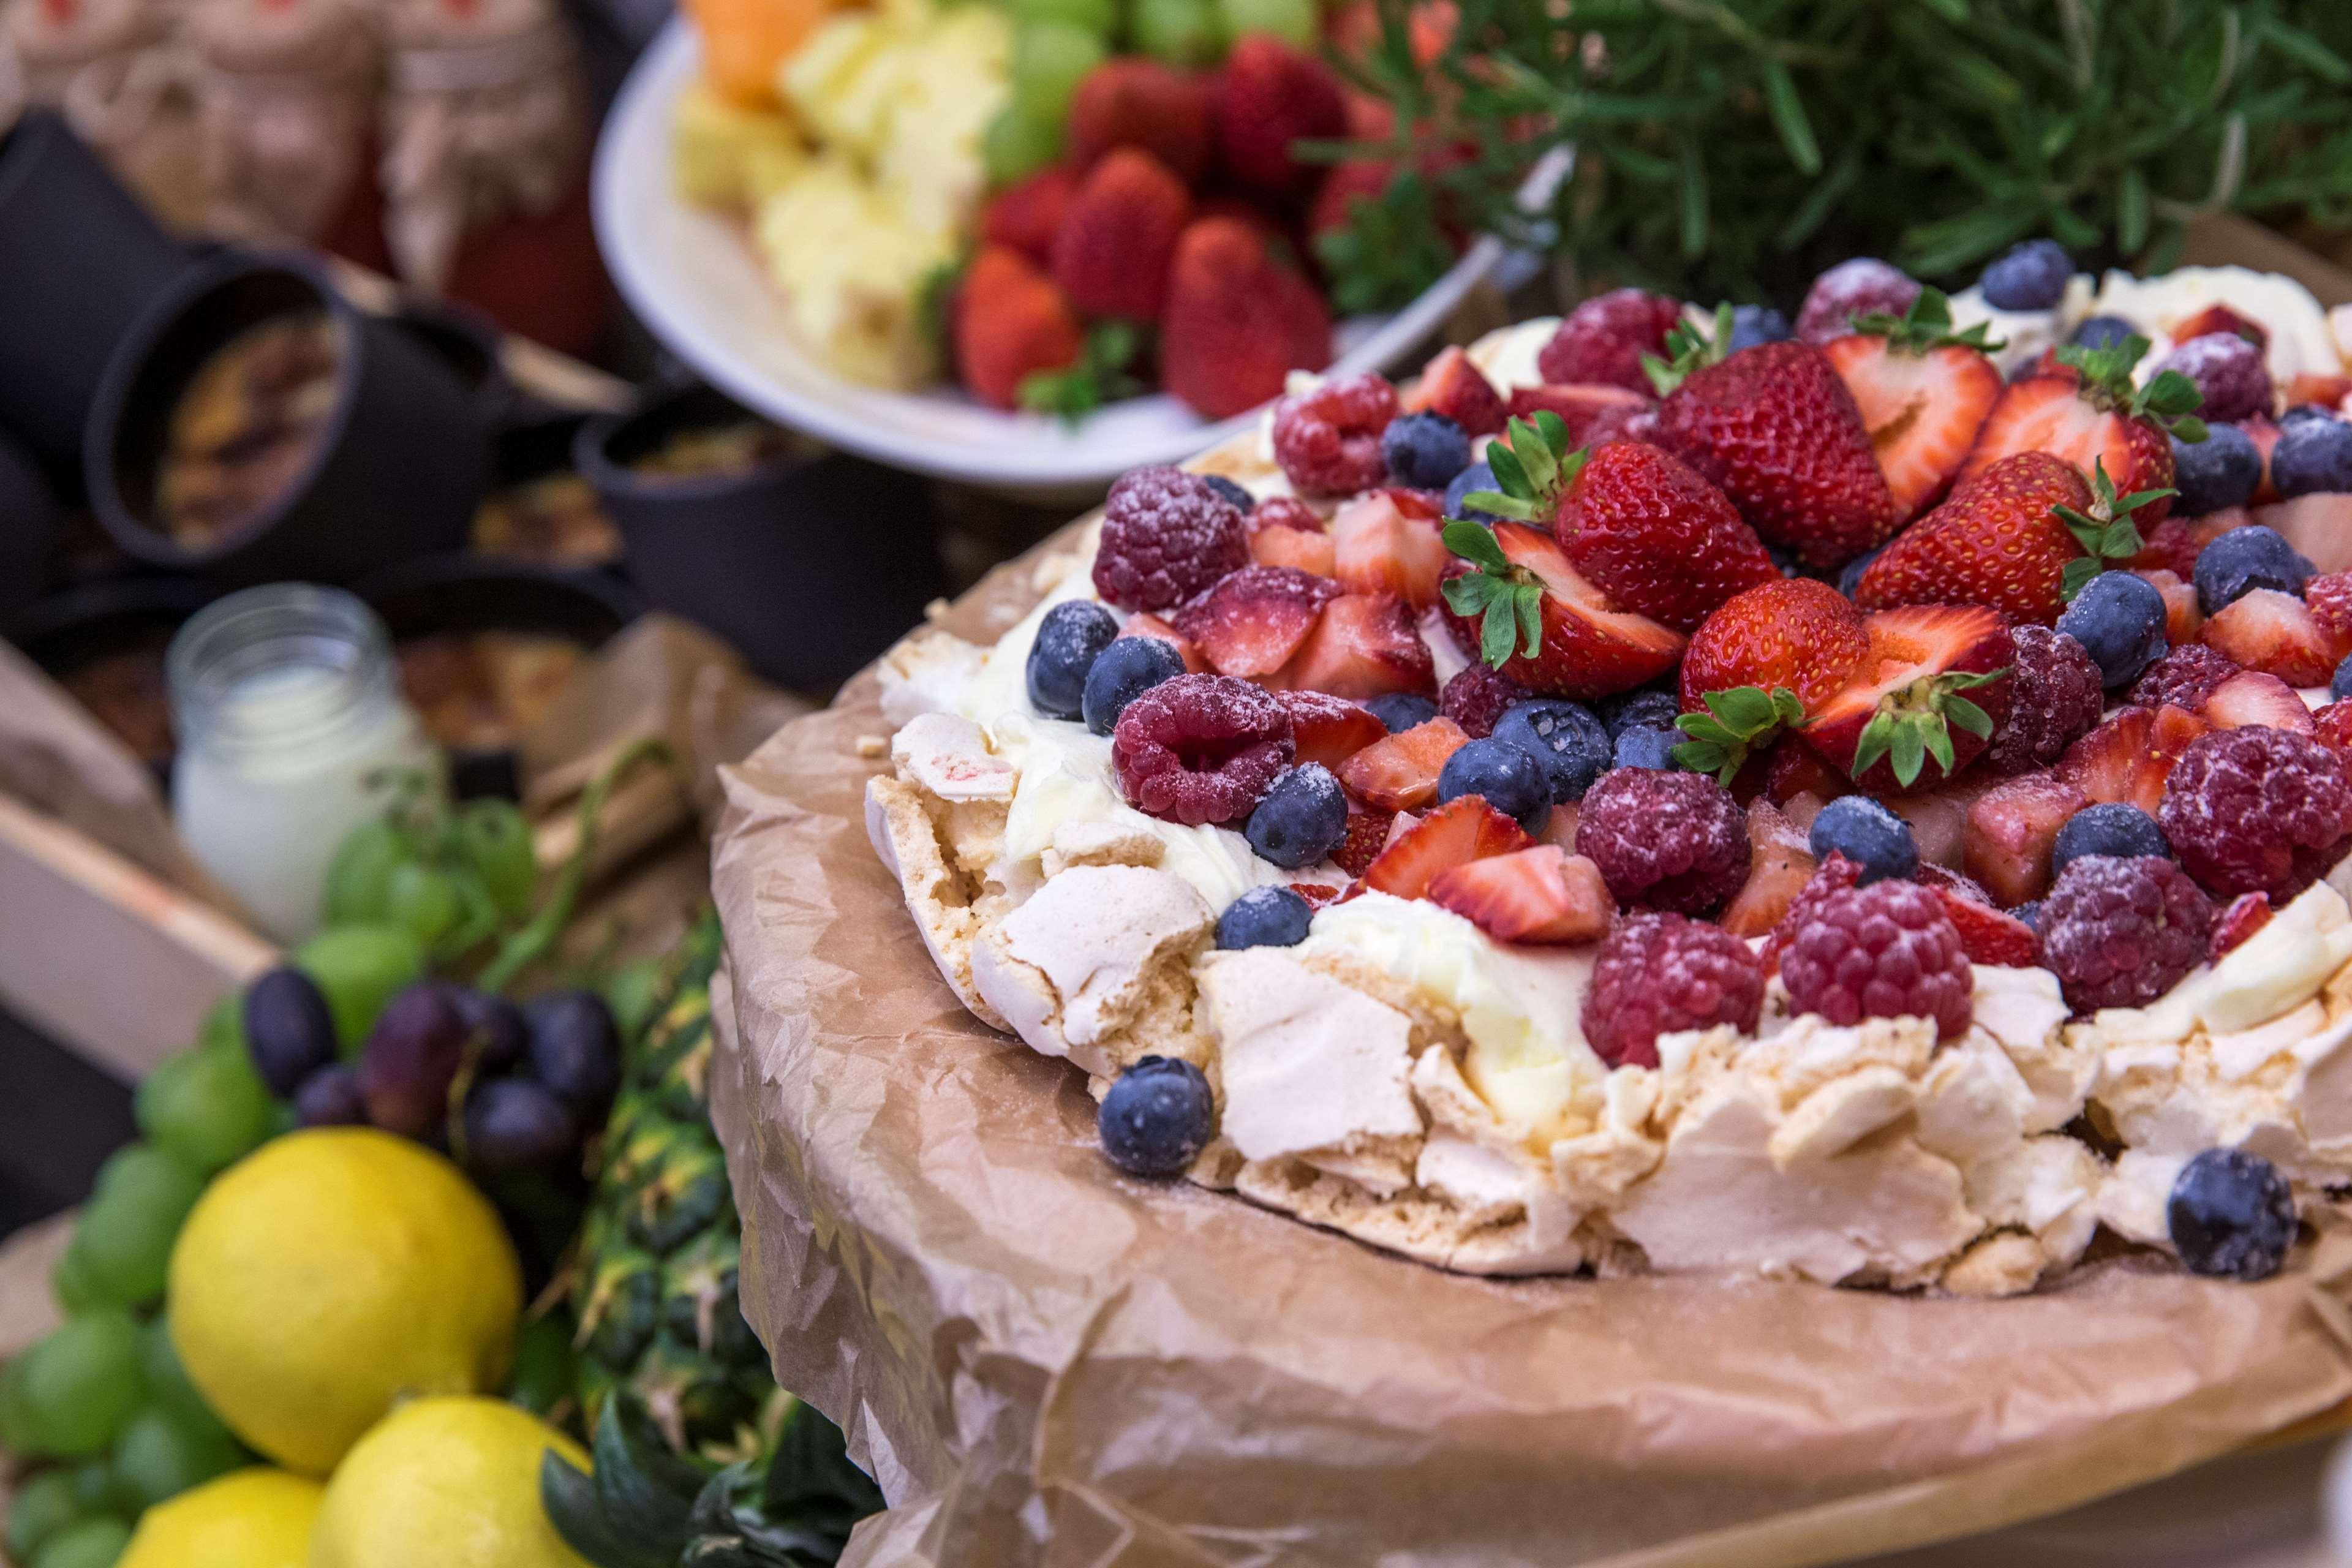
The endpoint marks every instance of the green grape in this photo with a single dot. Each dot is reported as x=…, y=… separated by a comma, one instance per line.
x=1099, y=17
x=358, y=968
x=42, y=1507
x=168, y=1384
x=82, y=1383
x=359, y=878
x=424, y=900
x=633, y=991
x=98, y=1489
x=126, y=1230
x=20, y=1429
x=1015, y=145
x=224, y=1026
x=546, y=1371
x=71, y=1284
x=498, y=845
x=160, y=1454
x=93, y=1543
x=1295, y=22
x=1178, y=32
x=1049, y=60
x=208, y=1106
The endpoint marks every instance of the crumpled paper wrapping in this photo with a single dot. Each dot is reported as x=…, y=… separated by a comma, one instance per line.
x=1044, y=1363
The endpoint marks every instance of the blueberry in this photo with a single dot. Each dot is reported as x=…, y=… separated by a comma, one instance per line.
x=2245, y=559
x=1123, y=672
x=1156, y=1118
x=2341, y=686
x=1867, y=833
x=2103, y=332
x=1400, y=710
x=2313, y=454
x=1427, y=452
x=1301, y=819
x=2120, y=620
x=2113, y=828
x=1068, y=638
x=1566, y=741
x=2028, y=276
x=1754, y=324
x=1476, y=476
x=1264, y=917
x=1231, y=491
x=2303, y=411
x=1645, y=746
x=2232, y=1215
x=1654, y=709
x=2030, y=913
x=2221, y=470
x=1849, y=580
x=1507, y=776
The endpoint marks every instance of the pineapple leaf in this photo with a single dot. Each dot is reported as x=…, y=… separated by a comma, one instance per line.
x=646, y=1491
x=568, y=1494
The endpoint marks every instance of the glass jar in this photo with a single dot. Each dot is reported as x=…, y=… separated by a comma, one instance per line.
x=293, y=732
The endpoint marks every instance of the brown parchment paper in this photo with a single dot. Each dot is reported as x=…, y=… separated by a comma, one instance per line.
x=1044, y=1363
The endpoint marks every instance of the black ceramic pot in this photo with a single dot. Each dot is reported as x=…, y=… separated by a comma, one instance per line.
x=467, y=342
x=470, y=594
x=30, y=520
x=400, y=468
x=68, y=632
x=79, y=261
x=811, y=566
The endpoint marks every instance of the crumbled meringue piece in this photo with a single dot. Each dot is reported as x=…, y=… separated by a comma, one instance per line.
x=1309, y=1064
x=1096, y=936
x=925, y=671
x=948, y=755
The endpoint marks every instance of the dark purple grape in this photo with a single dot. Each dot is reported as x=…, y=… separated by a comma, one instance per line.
x=288, y=1029
x=575, y=1049
x=412, y=1058
x=496, y=1024
x=331, y=1097
x=513, y=1123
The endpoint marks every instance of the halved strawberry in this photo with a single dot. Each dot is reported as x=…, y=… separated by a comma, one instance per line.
x=1460, y=831
x=1559, y=825
x=1780, y=863
x=1658, y=539
x=1921, y=702
x=2130, y=754
x=1989, y=936
x=2246, y=914
x=2184, y=617
x=1585, y=647
x=1368, y=834
x=1380, y=547
x=1297, y=549
x=1794, y=769
x=2252, y=698
x=2275, y=633
x=2002, y=539
x=2265, y=434
x=1540, y=895
x=2220, y=319
x=1329, y=729
x=1399, y=772
x=2331, y=726
x=1458, y=389
x=2319, y=526
x=1251, y=621
x=2012, y=828
x=2326, y=389
x=1145, y=625
x=1923, y=392
x=2329, y=597
x=1365, y=645
x=1585, y=407
x=2096, y=419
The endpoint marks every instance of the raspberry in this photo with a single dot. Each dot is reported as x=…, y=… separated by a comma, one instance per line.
x=1886, y=951
x=1659, y=975
x=1166, y=536
x=2257, y=811
x=2167, y=547
x=1605, y=338
x=2183, y=677
x=1476, y=697
x=1835, y=874
x=1284, y=511
x=2231, y=371
x=1865, y=285
x=1201, y=748
x=1328, y=439
x=2118, y=933
x=2056, y=697
x=2330, y=601
x=2332, y=727
x=1665, y=840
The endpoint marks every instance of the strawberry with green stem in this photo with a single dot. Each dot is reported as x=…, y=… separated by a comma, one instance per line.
x=1931, y=687
x=1514, y=600
x=2092, y=414
x=1923, y=392
x=1759, y=666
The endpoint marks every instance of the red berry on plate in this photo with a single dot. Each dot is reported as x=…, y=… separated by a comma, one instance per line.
x=1987, y=935
x=2184, y=677
x=1462, y=830
x=1236, y=322
x=1166, y=536
x=1886, y=951
x=1113, y=251
x=1027, y=213
x=1541, y=895
x=1924, y=700
x=1011, y=322
x=1792, y=632
x=1476, y=697
x=1329, y=729
x=1999, y=541
x=1604, y=340
x=1662, y=974
x=1251, y=621
x=2250, y=697
x=1665, y=839
x=2055, y=698
x=1658, y=539
x=1588, y=647
x=1399, y=772
x=1327, y=439
x=2131, y=753
x=1864, y=285
x=1134, y=100
x=2257, y=811
x=1269, y=96
x=1454, y=386
x=1201, y=748
x=2121, y=933
x=1366, y=646
x=1368, y=834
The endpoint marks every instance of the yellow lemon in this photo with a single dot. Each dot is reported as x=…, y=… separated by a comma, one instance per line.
x=330, y=1273
x=258, y=1518
x=444, y=1481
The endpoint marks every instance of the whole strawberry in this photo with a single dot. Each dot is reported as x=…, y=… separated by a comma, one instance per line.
x=1135, y=100
x=1237, y=322
x=1011, y=322
x=1113, y=251
x=1762, y=664
x=1270, y=96
x=2090, y=413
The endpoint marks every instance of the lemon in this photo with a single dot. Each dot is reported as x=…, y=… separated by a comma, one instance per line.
x=255, y=1518
x=444, y=1481
x=327, y=1275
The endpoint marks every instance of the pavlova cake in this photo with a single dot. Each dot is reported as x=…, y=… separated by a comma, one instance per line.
x=1863, y=800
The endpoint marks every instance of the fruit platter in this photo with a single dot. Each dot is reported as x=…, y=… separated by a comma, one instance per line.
x=1856, y=796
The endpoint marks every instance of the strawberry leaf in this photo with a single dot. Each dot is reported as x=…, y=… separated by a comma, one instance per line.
x=1469, y=594
x=1969, y=717
x=1505, y=600
x=1530, y=598
x=1737, y=721
x=1688, y=348
x=1926, y=325
x=1497, y=633
x=1510, y=473
x=1475, y=544
x=2077, y=576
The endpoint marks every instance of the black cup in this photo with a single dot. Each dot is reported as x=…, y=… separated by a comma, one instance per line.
x=462, y=593
x=811, y=566
x=79, y=261
x=30, y=521
x=400, y=465
x=467, y=342
x=69, y=630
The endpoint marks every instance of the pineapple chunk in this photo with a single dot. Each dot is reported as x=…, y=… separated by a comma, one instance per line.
x=725, y=156
x=951, y=83
x=852, y=269
x=842, y=82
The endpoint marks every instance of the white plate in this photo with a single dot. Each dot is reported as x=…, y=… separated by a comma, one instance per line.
x=694, y=280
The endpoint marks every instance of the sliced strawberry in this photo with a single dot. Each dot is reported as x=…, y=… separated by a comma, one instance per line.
x=1455, y=834
x=1251, y=621
x=1539, y=895
x=2253, y=698
x=1589, y=648
x=1294, y=547
x=2130, y=754
x=2220, y=319
x=1147, y=625
x=2001, y=540
x=1909, y=715
x=1427, y=506
x=1378, y=547
x=1923, y=409
x=2184, y=617
x=1366, y=644
x=1329, y=729
x=1458, y=389
x=1655, y=538
x=2265, y=435
x=2204, y=530
x=1989, y=936
x=2326, y=389
x=2319, y=526
x=2012, y=828
x=2246, y=914
x=1560, y=826
x=2096, y=421
x=1584, y=407
x=1368, y=834
x=1317, y=894
x=1399, y=772
x=1959, y=884
x=2329, y=595
x=1782, y=864
x=2275, y=633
